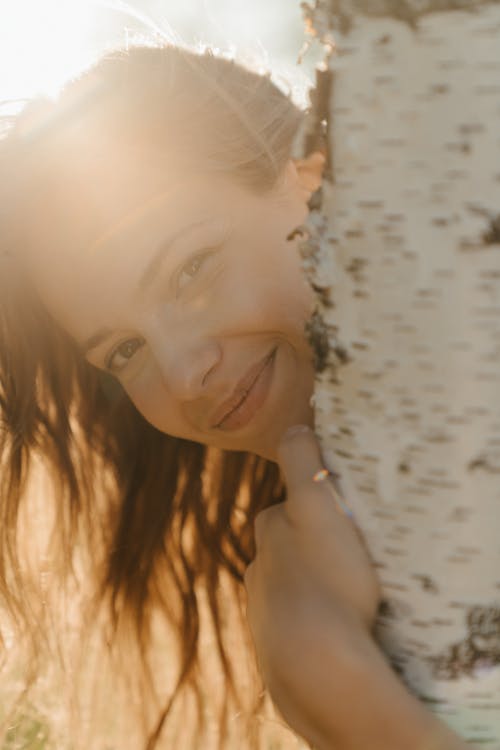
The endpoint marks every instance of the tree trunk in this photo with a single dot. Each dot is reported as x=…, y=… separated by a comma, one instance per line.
x=404, y=254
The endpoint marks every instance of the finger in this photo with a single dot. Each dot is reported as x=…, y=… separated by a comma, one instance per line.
x=300, y=459
x=264, y=524
x=299, y=456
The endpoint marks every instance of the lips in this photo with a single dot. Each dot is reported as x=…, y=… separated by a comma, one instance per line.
x=242, y=390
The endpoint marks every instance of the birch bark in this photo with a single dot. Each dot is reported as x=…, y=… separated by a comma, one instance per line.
x=403, y=250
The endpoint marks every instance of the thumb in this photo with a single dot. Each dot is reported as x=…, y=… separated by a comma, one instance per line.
x=299, y=456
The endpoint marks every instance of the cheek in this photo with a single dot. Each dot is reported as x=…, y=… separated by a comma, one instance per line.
x=273, y=297
x=152, y=400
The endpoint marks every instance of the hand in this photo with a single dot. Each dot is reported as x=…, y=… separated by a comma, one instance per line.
x=312, y=593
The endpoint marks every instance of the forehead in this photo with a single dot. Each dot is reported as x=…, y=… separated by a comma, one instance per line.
x=93, y=225
x=78, y=198
x=74, y=202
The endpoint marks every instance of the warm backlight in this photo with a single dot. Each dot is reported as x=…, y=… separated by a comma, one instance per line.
x=42, y=43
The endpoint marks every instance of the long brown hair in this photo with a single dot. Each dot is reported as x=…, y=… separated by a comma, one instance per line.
x=149, y=522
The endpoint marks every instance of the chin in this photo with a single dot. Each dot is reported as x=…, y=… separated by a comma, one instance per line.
x=286, y=406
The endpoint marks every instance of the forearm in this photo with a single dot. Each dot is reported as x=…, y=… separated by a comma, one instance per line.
x=370, y=708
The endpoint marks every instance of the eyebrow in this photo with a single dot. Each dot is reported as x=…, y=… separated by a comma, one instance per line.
x=145, y=280
x=154, y=264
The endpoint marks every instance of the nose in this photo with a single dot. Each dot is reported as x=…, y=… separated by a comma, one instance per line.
x=186, y=365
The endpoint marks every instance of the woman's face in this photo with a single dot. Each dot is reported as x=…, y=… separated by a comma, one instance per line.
x=189, y=292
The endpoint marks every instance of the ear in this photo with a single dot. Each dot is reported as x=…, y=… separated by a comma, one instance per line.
x=309, y=172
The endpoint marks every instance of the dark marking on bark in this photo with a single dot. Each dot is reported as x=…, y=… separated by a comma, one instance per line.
x=460, y=514
x=398, y=667
x=384, y=609
x=415, y=509
x=354, y=233
x=342, y=354
x=347, y=431
x=371, y=203
x=471, y=128
x=300, y=231
x=355, y=269
x=317, y=335
x=343, y=454
x=482, y=462
x=462, y=146
x=440, y=221
x=381, y=80
x=395, y=218
x=404, y=468
x=427, y=583
x=392, y=608
x=440, y=89
x=438, y=436
x=477, y=463
x=443, y=621
x=400, y=529
x=492, y=235
x=316, y=200
x=456, y=174
x=324, y=295
x=480, y=648
x=470, y=246
x=318, y=135
x=395, y=552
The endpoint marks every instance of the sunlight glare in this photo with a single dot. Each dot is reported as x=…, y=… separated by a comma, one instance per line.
x=42, y=44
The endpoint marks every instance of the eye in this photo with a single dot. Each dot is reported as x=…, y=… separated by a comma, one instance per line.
x=190, y=269
x=122, y=354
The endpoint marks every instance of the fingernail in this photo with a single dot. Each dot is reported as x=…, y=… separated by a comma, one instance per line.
x=296, y=429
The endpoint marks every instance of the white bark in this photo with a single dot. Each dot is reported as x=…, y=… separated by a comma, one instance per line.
x=404, y=253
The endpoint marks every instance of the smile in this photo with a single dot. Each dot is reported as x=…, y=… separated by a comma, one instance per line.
x=252, y=399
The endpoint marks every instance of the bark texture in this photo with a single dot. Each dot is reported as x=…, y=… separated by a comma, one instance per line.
x=403, y=250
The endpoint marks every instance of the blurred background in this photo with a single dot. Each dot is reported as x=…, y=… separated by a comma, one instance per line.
x=44, y=42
